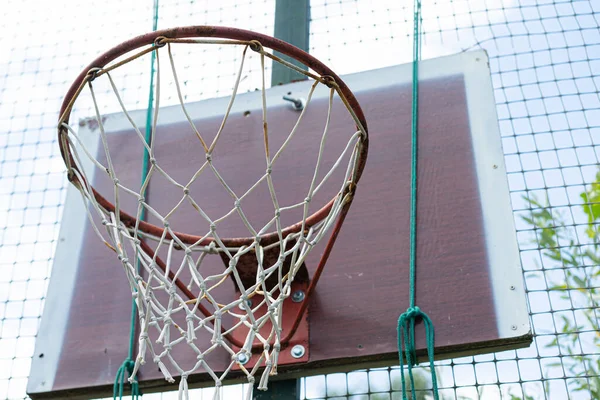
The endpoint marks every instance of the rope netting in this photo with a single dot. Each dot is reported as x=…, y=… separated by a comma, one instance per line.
x=181, y=302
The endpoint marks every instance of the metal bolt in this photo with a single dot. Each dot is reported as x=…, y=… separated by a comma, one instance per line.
x=243, y=358
x=512, y=287
x=298, y=351
x=514, y=327
x=248, y=304
x=297, y=102
x=298, y=296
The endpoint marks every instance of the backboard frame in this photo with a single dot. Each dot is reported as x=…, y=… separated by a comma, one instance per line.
x=512, y=317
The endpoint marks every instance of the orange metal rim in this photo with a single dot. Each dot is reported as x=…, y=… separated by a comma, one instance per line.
x=224, y=33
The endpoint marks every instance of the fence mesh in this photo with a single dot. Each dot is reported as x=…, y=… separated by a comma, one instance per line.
x=545, y=62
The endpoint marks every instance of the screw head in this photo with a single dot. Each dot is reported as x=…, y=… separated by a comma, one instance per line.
x=243, y=358
x=514, y=327
x=512, y=287
x=298, y=351
x=298, y=296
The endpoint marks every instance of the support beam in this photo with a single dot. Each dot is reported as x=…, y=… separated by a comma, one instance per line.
x=292, y=22
x=288, y=389
x=292, y=19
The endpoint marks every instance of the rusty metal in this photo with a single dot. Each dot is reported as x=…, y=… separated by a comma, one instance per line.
x=290, y=321
x=226, y=33
x=299, y=326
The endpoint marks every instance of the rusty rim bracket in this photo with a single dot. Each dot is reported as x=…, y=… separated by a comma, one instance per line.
x=300, y=337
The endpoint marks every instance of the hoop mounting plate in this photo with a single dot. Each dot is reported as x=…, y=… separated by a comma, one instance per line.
x=301, y=336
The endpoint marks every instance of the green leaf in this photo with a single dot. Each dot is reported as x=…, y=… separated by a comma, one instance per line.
x=591, y=206
x=562, y=286
x=580, y=282
x=560, y=245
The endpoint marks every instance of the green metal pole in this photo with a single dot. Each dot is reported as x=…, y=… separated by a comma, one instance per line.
x=280, y=390
x=292, y=20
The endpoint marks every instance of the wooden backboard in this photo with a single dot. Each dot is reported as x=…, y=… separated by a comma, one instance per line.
x=469, y=276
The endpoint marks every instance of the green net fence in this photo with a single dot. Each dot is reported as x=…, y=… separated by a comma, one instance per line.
x=545, y=62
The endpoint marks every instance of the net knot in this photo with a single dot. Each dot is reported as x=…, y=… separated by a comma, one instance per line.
x=255, y=45
x=129, y=365
x=160, y=41
x=93, y=73
x=412, y=313
x=328, y=81
x=406, y=336
x=119, y=384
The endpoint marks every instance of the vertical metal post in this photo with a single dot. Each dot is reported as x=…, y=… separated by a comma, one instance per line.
x=292, y=19
x=288, y=389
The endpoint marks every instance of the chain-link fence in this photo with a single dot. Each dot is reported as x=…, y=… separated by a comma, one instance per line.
x=545, y=62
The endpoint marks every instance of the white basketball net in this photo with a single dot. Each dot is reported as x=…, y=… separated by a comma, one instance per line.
x=167, y=318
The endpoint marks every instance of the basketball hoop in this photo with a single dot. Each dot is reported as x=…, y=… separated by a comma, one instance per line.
x=266, y=263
